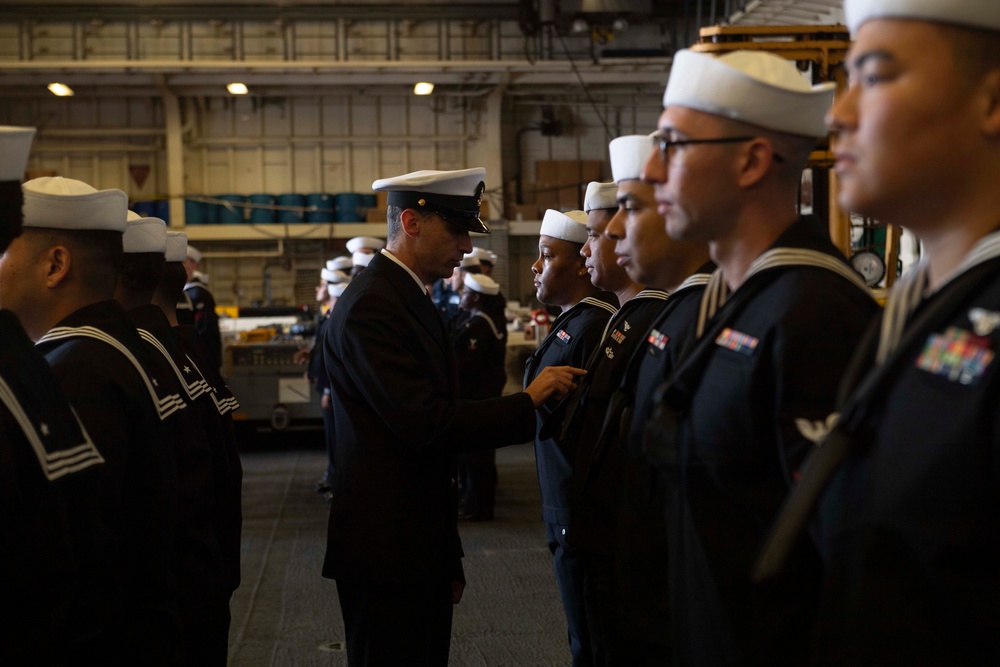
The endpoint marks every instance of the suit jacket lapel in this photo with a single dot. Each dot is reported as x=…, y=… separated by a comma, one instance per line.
x=420, y=306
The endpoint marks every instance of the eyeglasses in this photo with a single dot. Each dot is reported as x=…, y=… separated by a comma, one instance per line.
x=666, y=146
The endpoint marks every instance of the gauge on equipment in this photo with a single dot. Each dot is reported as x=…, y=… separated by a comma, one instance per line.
x=870, y=266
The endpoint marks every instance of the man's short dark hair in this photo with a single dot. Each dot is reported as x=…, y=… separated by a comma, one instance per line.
x=11, y=202
x=96, y=254
x=394, y=221
x=172, y=281
x=141, y=273
x=976, y=52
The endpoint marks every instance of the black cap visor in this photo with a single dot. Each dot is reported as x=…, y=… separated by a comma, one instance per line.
x=461, y=211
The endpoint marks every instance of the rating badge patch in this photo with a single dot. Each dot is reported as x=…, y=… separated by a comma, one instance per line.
x=957, y=355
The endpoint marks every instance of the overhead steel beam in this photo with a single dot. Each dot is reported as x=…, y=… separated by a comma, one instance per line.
x=286, y=78
x=39, y=11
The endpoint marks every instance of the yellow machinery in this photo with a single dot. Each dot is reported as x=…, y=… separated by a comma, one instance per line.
x=822, y=48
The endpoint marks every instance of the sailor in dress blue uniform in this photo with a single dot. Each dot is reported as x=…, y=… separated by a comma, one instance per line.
x=682, y=269
x=908, y=521
x=47, y=462
x=562, y=280
x=59, y=277
x=777, y=324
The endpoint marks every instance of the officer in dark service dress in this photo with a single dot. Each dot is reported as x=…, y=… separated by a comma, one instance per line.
x=909, y=520
x=393, y=544
x=46, y=459
x=776, y=326
x=681, y=268
x=561, y=279
x=480, y=344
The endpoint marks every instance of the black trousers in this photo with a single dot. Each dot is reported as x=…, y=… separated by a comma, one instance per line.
x=328, y=438
x=391, y=625
x=205, y=634
x=480, y=481
x=568, y=566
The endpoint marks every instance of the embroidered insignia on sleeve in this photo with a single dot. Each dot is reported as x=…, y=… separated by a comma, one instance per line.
x=609, y=353
x=658, y=340
x=737, y=341
x=956, y=355
x=627, y=325
x=815, y=431
x=984, y=322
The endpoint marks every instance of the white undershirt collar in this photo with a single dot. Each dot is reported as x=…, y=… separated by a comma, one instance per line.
x=417, y=280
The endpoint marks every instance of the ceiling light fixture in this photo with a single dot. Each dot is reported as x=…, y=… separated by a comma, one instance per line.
x=423, y=88
x=237, y=89
x=60, y=89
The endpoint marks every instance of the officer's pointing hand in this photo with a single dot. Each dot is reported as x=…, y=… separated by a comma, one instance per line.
x=553, y=381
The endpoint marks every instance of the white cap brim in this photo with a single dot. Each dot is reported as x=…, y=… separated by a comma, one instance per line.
x=600, y=195
x=980, y=14
x=629, y=155
x=359, y=242
x=483, y=284
x=751, y=87
x=15, y=146
x=145, y=235
x=340, y=264
x=177, y=244
x=361, y=258
x=53, y=202
x=570, y=226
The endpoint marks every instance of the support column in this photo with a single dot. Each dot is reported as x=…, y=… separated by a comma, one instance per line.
x=485, y=151
x=175, y=153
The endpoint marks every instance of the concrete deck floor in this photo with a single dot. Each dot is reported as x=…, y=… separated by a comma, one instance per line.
x=285, y=613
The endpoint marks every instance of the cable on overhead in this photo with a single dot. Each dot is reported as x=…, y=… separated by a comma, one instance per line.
x=583, y=85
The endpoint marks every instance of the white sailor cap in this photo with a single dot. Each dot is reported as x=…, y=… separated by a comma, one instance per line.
x=339, y=264
x=333, y=277
x=600, y=195
x=629, y=155
x=569, y=226
x=478, y=282
x=15, y=145
x=361, y=258
x=144, y=234
x=453, y=195
x=982, y=14
x=752, y=87
x=177, y=245
x=469, y=260
x=54, y=202
x=336, y=290
x=193, y=254
x=370, y=242
x=485, y=256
